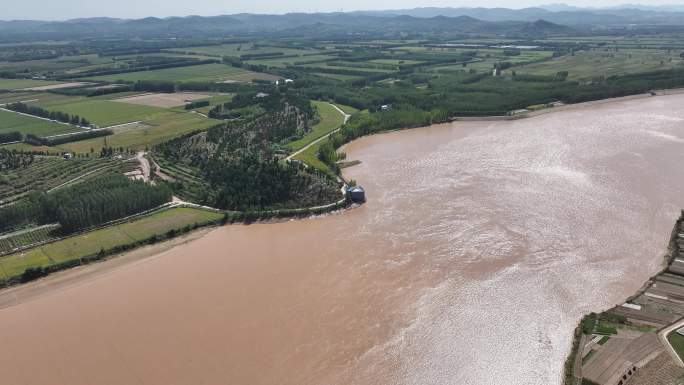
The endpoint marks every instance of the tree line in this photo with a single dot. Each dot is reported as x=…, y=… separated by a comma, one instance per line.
x=94, y=202
x=52, y=115
x=9, y=137
x=57, y=140
x=14, y=159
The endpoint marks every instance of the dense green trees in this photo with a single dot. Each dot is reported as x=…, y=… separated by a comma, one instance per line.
x=102, y=199
x=38, y=141
x=236, y=164
x=11, y=137
x=199, y=104
x=251, y=183
x=13, y=159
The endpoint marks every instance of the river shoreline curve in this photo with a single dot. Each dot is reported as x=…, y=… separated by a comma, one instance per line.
x=515, y=228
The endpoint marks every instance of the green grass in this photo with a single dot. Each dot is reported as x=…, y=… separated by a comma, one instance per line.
x=16, y=96
x=288, y=61
x=395, y=61
x=103, y=112
x=677, y=342
x=24, y=238
x=47, y=173
x=337, y=76
x=605, y=329
x=91, y=243
x=362, y=71
x=11, y=122
x=213, y=101
x=347, y=109
x=156, y=129
x=237, y=50
x=331, y=119
x=310, y=157
x=15, y=84
x=599, y=62
x=198, y=73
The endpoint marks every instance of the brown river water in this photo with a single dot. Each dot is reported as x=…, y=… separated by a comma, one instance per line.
x=480, y=247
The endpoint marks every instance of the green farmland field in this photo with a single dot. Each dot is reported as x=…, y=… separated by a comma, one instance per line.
x=330, y=120
x=91, y=243
x=103, y=112
x=237, y=50
x=603, y=62
x=288, y=61
x=15, y=84
x=677, y=342
x=12, y=122
x=337, y=76
x=310, y=157
x=156, y=129
x=347, y=109
x=198, y=73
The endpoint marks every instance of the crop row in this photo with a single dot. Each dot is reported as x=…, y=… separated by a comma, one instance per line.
x=22, y=239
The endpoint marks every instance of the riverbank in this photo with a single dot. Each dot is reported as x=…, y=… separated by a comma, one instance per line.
x=568, y=107
x=82, y=274
x=626, y=342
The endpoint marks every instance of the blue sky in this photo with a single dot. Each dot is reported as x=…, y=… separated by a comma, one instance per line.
x=67, y=9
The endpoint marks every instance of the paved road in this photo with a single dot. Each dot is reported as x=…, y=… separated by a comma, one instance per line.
x=346, y=115
x=144, y=165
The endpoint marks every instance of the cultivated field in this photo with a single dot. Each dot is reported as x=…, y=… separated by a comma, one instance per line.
x=606, y=62
x=292, y=60
x=163, y=100
x=57, y=86
x=101, y=112
x=25, y=238
x=13, y=122
x=198, y=73
x=16, y=84
x=239, y=50
x=47, y=173
x=156, y=129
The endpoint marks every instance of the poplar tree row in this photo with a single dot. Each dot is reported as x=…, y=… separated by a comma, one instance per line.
x=91, y=203
x=52, y=115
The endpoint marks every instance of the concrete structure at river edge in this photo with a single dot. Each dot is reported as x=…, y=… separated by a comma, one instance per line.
x=357, y=194
x=635, y=343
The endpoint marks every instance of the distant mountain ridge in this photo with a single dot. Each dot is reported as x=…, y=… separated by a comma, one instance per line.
x=556, y=13
x=321, y=24
x=548, y=20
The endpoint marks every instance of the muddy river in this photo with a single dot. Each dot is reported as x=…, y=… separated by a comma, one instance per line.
x=480, y=247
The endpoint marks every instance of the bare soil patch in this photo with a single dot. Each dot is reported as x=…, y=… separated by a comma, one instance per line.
x=164, y=100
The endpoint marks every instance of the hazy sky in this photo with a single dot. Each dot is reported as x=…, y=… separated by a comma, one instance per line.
x=66, y=9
